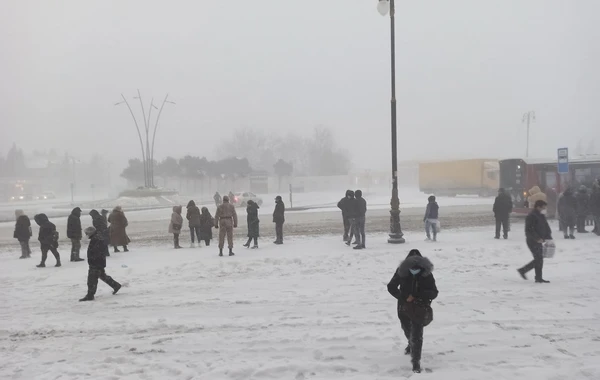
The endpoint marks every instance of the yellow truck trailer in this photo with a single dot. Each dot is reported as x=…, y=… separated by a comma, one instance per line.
x=460, y=177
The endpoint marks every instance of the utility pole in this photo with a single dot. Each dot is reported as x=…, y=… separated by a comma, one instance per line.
x=528, y=117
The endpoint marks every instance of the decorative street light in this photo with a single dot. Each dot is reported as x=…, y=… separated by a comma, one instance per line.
x=396, y=236
x=148, y=152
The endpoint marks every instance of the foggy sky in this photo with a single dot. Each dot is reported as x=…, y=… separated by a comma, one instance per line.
x=466, y=73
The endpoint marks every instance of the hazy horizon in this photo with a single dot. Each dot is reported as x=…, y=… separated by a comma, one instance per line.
x=466, y=73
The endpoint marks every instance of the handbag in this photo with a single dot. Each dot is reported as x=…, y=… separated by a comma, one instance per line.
x=549, y=249
x=419, y=311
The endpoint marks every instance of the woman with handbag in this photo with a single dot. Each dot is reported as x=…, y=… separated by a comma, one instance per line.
x=413, y=285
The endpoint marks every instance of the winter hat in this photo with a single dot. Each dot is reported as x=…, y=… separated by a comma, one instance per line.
x=226, y=199
x=358, y=193
x=89, y=231
x=414, y=252
x=278, y=198
x=431, y=198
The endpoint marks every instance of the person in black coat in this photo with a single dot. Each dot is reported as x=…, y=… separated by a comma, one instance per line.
x=537, y=232
x=97, y=262
x=413, y=281
x=48, y=238
x=583, y=208
x=352, y=212
x=279, y=219
x=101, y=225
x=567, y=211
x=431, y=218
x=253, y=224
x=503, y=206
x=343, y=205
x=595, y=207
x=23, y=233
x=74, y=233
x=360, y=219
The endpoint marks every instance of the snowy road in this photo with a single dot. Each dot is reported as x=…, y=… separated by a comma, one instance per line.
x=150, y=227
x=311, y=309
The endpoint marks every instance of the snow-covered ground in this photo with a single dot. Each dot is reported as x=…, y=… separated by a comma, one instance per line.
x=311, y=309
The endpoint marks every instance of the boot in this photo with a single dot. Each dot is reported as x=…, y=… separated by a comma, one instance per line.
x=117, y=249
x=247, y=245
x=41, y=265
x=359, y=246
x=72, y=256
x=416, y=367
x=220, y=251
x=87, y=298
x=231, y=252
x=522, y=273
x=117, y=288
x=255, y=246
x=78, y=259
x=23, y=257
x=125, y=249
x=572, y=236
x=541, y=281
x=58, y=264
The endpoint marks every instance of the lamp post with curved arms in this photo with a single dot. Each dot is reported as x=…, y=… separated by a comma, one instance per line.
x=148, y=151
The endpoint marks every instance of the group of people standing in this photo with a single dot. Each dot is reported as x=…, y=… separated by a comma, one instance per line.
x=354, y=211
x=100, y=235
x=201, y=223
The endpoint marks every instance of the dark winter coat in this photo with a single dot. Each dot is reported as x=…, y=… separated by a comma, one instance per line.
x=22, y=228
x=252, y=219
x=583, y=202
x=595, y=202
x=432, y=211
x=96, y=252
x=279, y=213
x=503, y=205
x=74, y=225
x=536, y=227
x=47, y=235
x=567, y=208
x=361, y=206
x=193, y=214
x=101, y=226
x=421, y=286
x=345, y=203
x=118, y=224
x=207, y=223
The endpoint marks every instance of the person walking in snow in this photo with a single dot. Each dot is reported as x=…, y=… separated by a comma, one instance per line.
x=279, y=219
x=226, y=219
x=101, y=225
x=502, y=208
x=118, y=229
x=206, y=225
x=217, y=198
x=75, y=233
x=343, y=205
x=23, y=233
x=567, y=211
x=537, y=232
x=175, y=225
x=193, y=217
x=431, y=218
x=413, y=285
x=253, y=224
x=583, y=208
x=48, y=238
x=359, y=221
x=97, y=264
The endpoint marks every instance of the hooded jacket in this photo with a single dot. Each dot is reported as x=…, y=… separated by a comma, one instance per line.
x=345, y=203
x=503, y=205
x=567, y=208
x=176, y=220
x=206, y=224
x=361, y=204
x=193, y=214
x=432, y=210
x=535, y=194
x=74, y=225
x=279, y=212
x=96, y=252
x=47, y=235
x=22, y=226
x=99, y=223
x=118, y=224
x=421, y=286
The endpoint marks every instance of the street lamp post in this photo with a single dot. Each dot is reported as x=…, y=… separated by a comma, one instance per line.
x=396, y=236
x=528, y=117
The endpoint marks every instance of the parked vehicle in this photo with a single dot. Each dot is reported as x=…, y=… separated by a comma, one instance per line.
x=241, y=199
x=460, y=177
x=21, y=197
